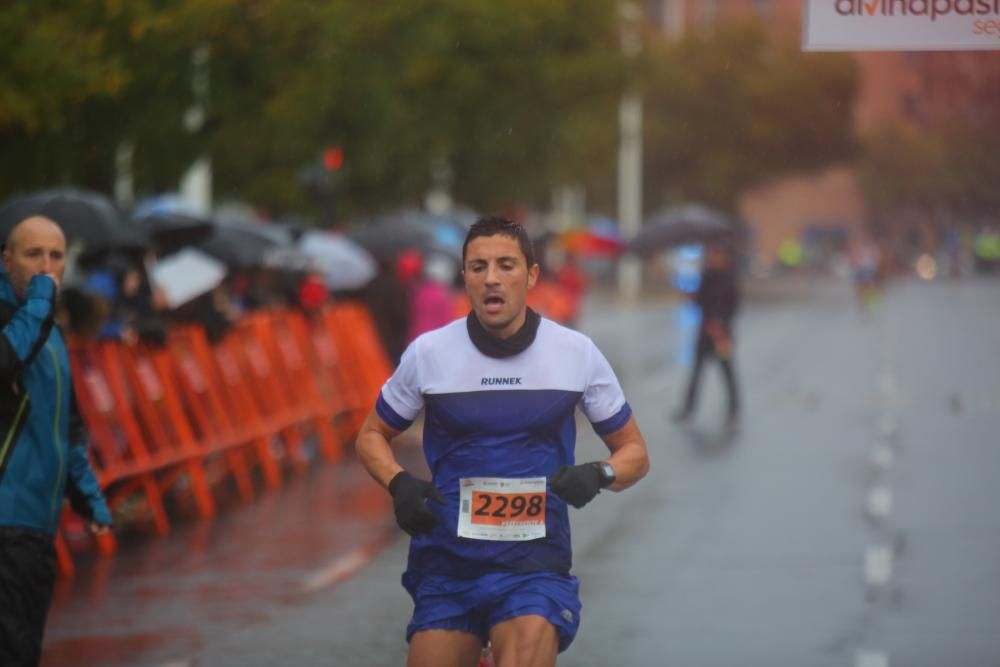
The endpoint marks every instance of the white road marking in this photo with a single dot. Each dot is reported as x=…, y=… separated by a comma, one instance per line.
x=337, y=570
x=871, y=659
x=878, y=566
x=882, y=457
x=879, y=504
x=887, y=427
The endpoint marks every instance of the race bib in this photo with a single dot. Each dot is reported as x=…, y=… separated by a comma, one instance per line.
x=507, y=510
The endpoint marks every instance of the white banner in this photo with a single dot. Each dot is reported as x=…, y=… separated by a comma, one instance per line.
x=900, y=25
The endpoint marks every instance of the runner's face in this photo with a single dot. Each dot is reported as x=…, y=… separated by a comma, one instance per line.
x=497, y=279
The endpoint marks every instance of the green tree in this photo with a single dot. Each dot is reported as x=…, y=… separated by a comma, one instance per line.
x=730, y=108
x=84, y=77
x=514, y=97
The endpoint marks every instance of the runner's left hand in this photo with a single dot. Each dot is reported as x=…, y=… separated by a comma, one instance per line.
x=577, y=485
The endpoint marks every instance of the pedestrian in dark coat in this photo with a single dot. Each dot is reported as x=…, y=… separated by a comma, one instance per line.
x=719, y=298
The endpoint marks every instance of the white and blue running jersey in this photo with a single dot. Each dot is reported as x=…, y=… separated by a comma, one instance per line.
x=499, y=418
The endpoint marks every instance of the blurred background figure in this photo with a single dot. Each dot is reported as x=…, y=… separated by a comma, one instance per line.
x=718, y=297
x=313, y=293
x=574, y=282
x=867, y=273
x=387, y=296
x=432, y=296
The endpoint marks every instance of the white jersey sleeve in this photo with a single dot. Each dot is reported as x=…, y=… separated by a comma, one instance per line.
x=603, y=401
x=401, y=398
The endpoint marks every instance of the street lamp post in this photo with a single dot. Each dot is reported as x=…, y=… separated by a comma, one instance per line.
x=630, y=156
x=196, y=183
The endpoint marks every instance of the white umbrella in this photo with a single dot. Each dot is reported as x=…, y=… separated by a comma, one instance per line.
x=345, y=264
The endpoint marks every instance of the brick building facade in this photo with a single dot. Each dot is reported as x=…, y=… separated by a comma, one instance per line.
x=908, y=89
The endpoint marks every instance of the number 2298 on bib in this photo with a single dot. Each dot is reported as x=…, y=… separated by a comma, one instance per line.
x=508, y=510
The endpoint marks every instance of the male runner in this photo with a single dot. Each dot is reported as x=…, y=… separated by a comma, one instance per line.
x=490, y=554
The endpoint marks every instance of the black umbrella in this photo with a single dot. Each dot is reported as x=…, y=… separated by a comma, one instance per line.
x=87, y=218
x=243, y=246
x=683, y=225
x=170, y=232
x=389, y=235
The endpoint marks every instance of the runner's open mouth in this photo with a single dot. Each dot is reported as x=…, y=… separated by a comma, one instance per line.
x=493, y=303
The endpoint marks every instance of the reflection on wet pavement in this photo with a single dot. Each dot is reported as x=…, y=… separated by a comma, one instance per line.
x=157, y=600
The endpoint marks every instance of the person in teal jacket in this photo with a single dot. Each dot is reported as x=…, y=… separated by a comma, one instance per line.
x=43, y=454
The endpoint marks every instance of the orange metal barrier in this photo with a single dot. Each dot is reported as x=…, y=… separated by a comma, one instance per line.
x=165, y=426
x=207, y=413
x=325, y=388
x=334, y=377
x=267, y=386
x=121, y=460
x=295, y=375
x=365, y=362
x=219, y=411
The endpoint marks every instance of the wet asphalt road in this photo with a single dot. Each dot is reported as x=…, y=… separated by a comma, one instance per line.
x=851, y=521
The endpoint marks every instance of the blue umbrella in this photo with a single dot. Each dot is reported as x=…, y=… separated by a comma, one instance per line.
x=171, y=223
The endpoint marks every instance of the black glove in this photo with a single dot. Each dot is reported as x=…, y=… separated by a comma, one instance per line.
x=408, y=494
x=577, y=485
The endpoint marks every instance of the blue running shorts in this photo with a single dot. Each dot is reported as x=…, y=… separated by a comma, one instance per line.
x=476, y=605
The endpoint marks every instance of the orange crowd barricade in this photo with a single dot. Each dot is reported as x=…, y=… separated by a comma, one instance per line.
x=337, y=361
x=215, y=430
x=243, y=399
x=362, y=354
x=221, y=413
x=376, y=365
x=122, y=463
x=268, y=386
x=206, y=412
x=325, y=386
x=296, y=373
x=166, y=428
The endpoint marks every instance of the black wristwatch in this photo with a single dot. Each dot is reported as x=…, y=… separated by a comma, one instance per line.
x=608, y=476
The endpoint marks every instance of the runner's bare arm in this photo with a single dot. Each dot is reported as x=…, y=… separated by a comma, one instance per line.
x=629, y=457
x=374, y=451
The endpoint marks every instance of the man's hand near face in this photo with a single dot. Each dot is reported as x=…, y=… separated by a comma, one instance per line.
x=56, y=279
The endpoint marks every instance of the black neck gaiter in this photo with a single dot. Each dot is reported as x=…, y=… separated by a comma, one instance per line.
x=501, y=348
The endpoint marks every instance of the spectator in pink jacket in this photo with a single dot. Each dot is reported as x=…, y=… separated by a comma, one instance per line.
x=431, y=298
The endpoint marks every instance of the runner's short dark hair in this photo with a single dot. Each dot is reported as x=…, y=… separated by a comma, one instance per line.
x=493, y=225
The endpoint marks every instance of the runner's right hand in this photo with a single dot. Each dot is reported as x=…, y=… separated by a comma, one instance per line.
x=408, y=495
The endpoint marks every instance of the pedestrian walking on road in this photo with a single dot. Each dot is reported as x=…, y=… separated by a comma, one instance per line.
x=43, y=455
x=490, y=553
x=719, y=298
